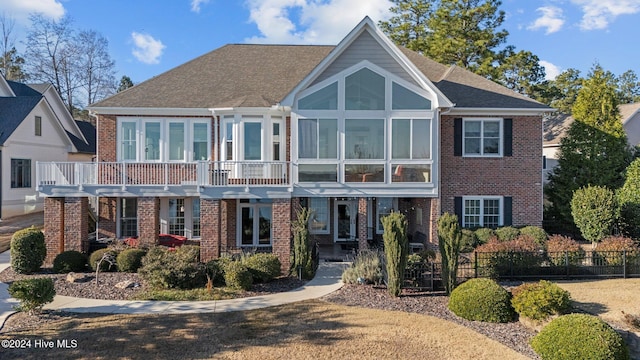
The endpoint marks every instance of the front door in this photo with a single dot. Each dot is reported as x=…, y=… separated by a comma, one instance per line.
x=345, y=220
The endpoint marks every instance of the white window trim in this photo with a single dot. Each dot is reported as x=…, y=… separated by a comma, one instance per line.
x=394, y=207
x=410, y=159
x=188, y=217
x=238, y=122
x=164, y=141
x=328, y=223
x=500, y=140
x=256, y=230
x=119, y=218
x=482, y=199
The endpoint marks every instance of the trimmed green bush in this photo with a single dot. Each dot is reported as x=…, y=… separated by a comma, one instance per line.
x=482, y=300
x=70, y=261
x=130, y=260
x=367, y=268
x=97, y=255
x=563, y=251
x=215, y=269
x=263, y=267
x=32, y=293
x=535, y=232
x=449, y=242
x=302, y=260
x=579, y=336
x=594, y=210
x=507, y=233
x=396, y=248
x=237, y=276
x=189, y=252
x=172, y=269
x=539, y=301
x=483, y=235
x=469, y=241
x=28, y=250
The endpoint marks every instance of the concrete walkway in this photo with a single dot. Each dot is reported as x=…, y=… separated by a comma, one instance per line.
x=327, y=280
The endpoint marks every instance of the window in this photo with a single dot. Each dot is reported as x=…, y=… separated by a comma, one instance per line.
x=152, y=140
x=364, y=90
x=482, y=137
x=405, y=99
x=128, y=217
x=20, y=173
x=364, y=138
x=410, y=139
x=319, y=221
x=276, y=142
x=228, y=140
x=200, y=142
x=252, y=141
x=482, y=212
x=195, y=217
x=323, y=99
x=38, y=126
x=318, y=139
x=128, y=138
x=255, y=223
x=176, y=141
x=176, y=217
x=384, y=207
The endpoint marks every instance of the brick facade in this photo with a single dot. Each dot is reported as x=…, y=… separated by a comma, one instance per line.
x=228, y=215
x=66, y=226
x=518, y=176
x=107, y=212
x=209, y=229
x=148, y=220
x=281, y=232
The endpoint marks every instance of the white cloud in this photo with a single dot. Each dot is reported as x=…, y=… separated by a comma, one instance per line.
x=551, y=19
x=311, y=21
x=599, y=13
x=551, y=70
x=146, y=49
x=20, y=9
x=195, y=5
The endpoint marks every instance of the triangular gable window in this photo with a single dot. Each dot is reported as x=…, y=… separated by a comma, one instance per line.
x=405, y=99
x=323, y=99
x=364, y=90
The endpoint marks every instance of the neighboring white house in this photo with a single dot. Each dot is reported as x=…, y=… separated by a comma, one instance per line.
x=35, y=126
x=557, y=124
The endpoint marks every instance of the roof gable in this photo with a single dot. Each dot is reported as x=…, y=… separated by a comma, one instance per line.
x=13, y=110
x=5, y=89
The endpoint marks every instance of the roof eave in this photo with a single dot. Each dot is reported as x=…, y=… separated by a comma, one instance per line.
x=500, y=111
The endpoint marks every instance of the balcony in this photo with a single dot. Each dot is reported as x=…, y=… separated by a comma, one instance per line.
x=197, y=174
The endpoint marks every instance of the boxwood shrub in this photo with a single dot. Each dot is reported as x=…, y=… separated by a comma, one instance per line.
x=469, y=241
x=170, y=268
x=130, y=260
x=69, y=261
x=579, y=336
x=483, y=235
x=539, y=301
x=535, y=232
x=263, y=267
x=32, y=293
x=507, y=233
x=97, y=255
x=28, y=250
x=482, y=300
x=237, y=276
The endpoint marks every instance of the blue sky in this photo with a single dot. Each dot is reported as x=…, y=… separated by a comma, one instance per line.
x=149, y=37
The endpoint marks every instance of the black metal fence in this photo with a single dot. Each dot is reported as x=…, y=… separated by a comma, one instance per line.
x=528, y=266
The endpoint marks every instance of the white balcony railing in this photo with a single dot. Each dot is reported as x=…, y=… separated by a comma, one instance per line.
x=203, y=173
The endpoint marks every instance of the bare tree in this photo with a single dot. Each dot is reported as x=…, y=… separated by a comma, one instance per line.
x=95, y=66
x=10, y=62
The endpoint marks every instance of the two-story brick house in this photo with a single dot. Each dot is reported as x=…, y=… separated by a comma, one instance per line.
x=223, y=149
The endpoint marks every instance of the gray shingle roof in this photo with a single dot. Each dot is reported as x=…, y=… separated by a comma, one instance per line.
x=262, y=75
x=15, y=109
x=89, y=133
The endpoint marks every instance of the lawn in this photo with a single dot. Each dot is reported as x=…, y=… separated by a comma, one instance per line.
x=305, y=330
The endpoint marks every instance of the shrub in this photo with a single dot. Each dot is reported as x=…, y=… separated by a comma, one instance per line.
x=539, y=301
x=263, y=267
x=97, y=255
x=28, y=250
x=469, y=241
x=396, y=248
x=237, y=276
x=367, y=268
x=507, y=233
x=579, y=336
x=482, y=300
x=69, y=261
x=499, y=259
x=162, y=268
x=189, y=252
x=537, y=233
x=32, y=293
x=610, y=250
x=449, y=241
x=302, y=260
x=562, y=250
x=594, y=210
x=629, y=200
x=483, y=235
x=215, y=269
x=130, y=260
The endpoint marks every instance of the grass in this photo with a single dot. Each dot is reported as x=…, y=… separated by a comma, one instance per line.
x=187, y=295
x=305, y=330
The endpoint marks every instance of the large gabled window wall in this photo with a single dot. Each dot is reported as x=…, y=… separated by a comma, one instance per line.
x=364, y=125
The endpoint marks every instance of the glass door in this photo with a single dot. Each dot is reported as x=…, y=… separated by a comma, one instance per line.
x=345, y=220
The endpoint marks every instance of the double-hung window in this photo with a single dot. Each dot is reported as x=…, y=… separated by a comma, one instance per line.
x=20, y=173
x=482, y=212
x=319, y=221
x=128, y=208
x=482, y=137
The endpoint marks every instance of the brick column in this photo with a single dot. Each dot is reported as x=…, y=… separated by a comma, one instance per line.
x=209, y=229
x=433, y=223
x=76, y=224
x=53, y=221
x=362, y=224
x=107, y=212
x=281, y=230
x=228, y=210
x=148, y=220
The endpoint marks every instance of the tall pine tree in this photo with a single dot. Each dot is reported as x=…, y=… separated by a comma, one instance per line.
x=594, y=152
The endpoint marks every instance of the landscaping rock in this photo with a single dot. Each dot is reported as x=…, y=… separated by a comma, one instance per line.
x=126, y=284
x=76, y=278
